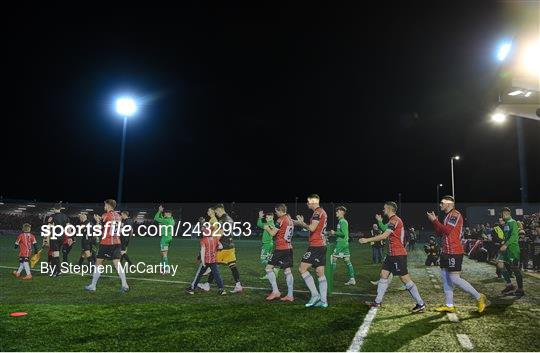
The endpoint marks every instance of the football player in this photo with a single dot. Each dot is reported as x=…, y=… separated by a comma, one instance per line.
x=451, y=258
x=315, y=255
x=341, y=250
x=396, y=260
x=282, y=255
x=110, y=246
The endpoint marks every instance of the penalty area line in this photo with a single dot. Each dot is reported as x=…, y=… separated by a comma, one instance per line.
x=184, y=282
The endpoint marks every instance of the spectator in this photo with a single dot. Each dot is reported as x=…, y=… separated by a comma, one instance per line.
x=412, y=240
x=376, y=247
x=432, y=250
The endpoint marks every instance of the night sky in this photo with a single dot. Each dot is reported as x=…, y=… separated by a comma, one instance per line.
x=356, y=104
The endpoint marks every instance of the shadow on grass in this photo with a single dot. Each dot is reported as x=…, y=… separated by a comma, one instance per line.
x=494, y=308
x=394, y=340
x=492, y=280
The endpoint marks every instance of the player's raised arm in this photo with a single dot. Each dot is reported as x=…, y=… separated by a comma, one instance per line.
x=311, y=226
x=260, y=222
x=379, y=237
x=159, y=215
x=443, y=229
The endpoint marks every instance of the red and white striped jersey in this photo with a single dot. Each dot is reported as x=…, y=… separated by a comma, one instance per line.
x=210, y=244
x=316, y=238
x=25, y=241
x=111, y=234
x=285, y=232
x=451, y=231
x=397, y=237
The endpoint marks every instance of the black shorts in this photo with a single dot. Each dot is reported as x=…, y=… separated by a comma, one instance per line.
x=315, y=255
x=281, y=258
x=450, y=262
x=86, y=245
x=55, y=244
x=23, y=259
x=109, y=252
x=397, y=265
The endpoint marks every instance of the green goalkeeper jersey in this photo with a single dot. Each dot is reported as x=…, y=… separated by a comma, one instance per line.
x=267, y=238
x=165, y=221
x=342, y=233
x=383, y=227
x=511, y=238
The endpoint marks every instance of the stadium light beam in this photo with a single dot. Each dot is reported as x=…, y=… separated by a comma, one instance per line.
x=503, y=51
x=456, y=157
x=125, y=107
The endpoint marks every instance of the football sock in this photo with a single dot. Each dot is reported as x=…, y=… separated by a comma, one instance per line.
x=350, y=268
x=21, y=267
x=519, y=278
x=463, y=284
x=290, y=281
x=334, y=263
x=121, y=274
x=310, y=283
x=323, y=288
x=27, y=268
x=382, y=286
x=95, y=276
x=272, y=279
x=211, y=277
x=448, y=288
x=506, y=276
x=165, y=260
x=411, y=287
x=56, y=262
x=235, y=273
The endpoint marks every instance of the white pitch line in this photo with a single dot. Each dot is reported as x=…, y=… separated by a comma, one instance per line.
x=362, y=332
x=465, y=341
x=183, y=282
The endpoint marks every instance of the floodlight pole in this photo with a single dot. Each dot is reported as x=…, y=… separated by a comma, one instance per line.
x=452, y=172
x=122, y=154
x=438, y=196
x=522, y=162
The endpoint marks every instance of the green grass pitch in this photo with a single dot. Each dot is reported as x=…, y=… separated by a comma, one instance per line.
x=157, y=315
